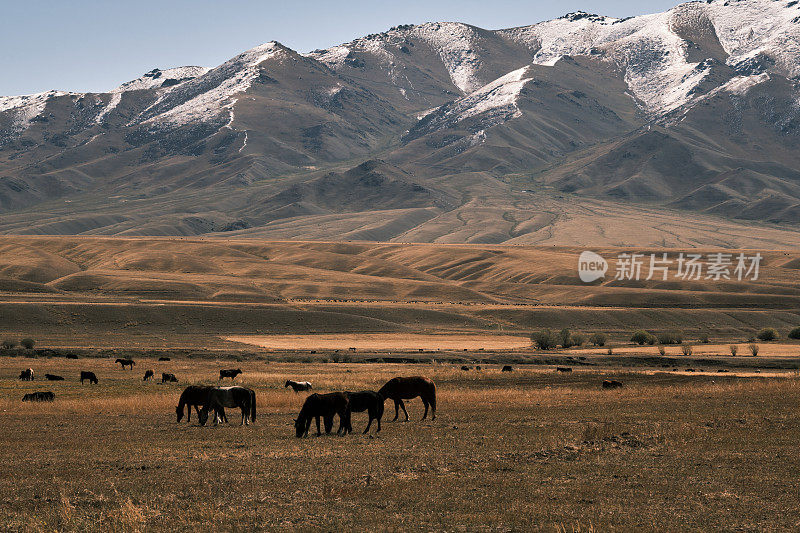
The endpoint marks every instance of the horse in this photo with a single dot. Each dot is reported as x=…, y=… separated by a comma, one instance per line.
x=168, y=378
x=148, y=374
x=369, y=401
x=26, y=375
x=298, y=385
x=464, y=367
x=53, y=377
x=563, y=369
x=41, y=396
x=399, y=389
x=325, y=406
x=229, y=373
x=197, y=396
x=611, y=384
x=508, y=368
x=88, y=375
x=221, y=397
x=126, y=362
x=163, y=358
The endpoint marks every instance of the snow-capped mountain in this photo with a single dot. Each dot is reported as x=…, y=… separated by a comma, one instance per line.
x=697, y=108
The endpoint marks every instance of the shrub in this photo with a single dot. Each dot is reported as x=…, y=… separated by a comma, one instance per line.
x=598, y=339
x=640, y=337
x=27, y=343
x=544, y=340
x=704, y=338
x=795, y=333
x=753, y=349
x=665, y=338
x=578, y=339
x=734, y=349
x=651, y=339
x=610, y=351
x=662, y=350
x=686, y=349
x=768, y=334
x=8, y=344
x=565, y=338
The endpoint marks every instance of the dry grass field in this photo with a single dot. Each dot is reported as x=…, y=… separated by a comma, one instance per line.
x=528, y=450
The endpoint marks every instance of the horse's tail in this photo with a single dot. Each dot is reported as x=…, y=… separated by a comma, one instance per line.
x=252, y=405
x=432, y=399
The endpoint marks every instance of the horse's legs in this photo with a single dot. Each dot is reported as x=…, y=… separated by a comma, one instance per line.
x=245, y=411
x=425, y=403
x=403, y=406
x=318, y=431
x=369, y=423
x=396, y=410
x=329, y=424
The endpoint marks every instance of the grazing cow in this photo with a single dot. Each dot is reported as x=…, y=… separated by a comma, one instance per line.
x=26, y=375
x=41, y=396
x=324, y=406
x=221, y=397
x=197, y=396
x=563, y=369
x=507, y=368
x=148, y=374
x=72, y=356
x=370, y=401
x=168, y=378
x=298, y=385
x=399, y=389
x=611, y=384
x=90, y=376
x=164, y=359
x=53, y=377
x=126, y=362
x=464, y=367
x=229, y=373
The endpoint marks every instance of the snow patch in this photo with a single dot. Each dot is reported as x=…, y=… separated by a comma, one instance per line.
x=29, y=106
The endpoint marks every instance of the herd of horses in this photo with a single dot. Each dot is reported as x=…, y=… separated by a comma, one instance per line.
x=316, y=407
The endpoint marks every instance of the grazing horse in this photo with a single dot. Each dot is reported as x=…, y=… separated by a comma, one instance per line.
x=26, y=375
x=53, y=377
x=197, y=396
x=148, y=374
x=88, y=375
x=126, y=362
x=508, y=368
x=298, y=385
x=41, y=396
x=221, y=397
x=325, y=406
x=399, y=389
x=229, y=373
x=168, y=378
x=369, y=401
x=611, y=384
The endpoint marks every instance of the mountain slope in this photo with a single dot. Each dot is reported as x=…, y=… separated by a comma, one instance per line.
x=482, y=135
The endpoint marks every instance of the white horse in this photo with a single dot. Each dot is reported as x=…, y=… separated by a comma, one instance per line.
x=298, y=385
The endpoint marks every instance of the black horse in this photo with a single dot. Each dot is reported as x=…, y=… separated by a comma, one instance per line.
x=193, y=396
x=399, y=389
x=221, y=397
x=370, y=401
x=126, y=362
x=324, y=406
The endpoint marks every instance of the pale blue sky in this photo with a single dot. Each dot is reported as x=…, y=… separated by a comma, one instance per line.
x=93, y=45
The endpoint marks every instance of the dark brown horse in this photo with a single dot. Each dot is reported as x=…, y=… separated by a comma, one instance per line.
x=399, y=389
x=126, y=362
x=370, y=401
x=193, y=396
x=221, y=397
x=324, y=406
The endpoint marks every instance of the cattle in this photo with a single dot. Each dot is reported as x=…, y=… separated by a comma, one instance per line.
x=41, y=396
x=168, y=378
x=563, y=369
x=507, y=368
x=164, y=359
x=229, y=373
x=26, y=375
x=53, y=377
x=72, y=356
x=611, y=384
x=465, y=367
x=90, y=376
x=148, y=374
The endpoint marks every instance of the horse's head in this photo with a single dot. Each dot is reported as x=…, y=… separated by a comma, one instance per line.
x=179, y=412
x=287, y=384
x=203, y=416
x=300, y=427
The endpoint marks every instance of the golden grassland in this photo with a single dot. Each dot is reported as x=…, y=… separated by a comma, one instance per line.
x=527, y=450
